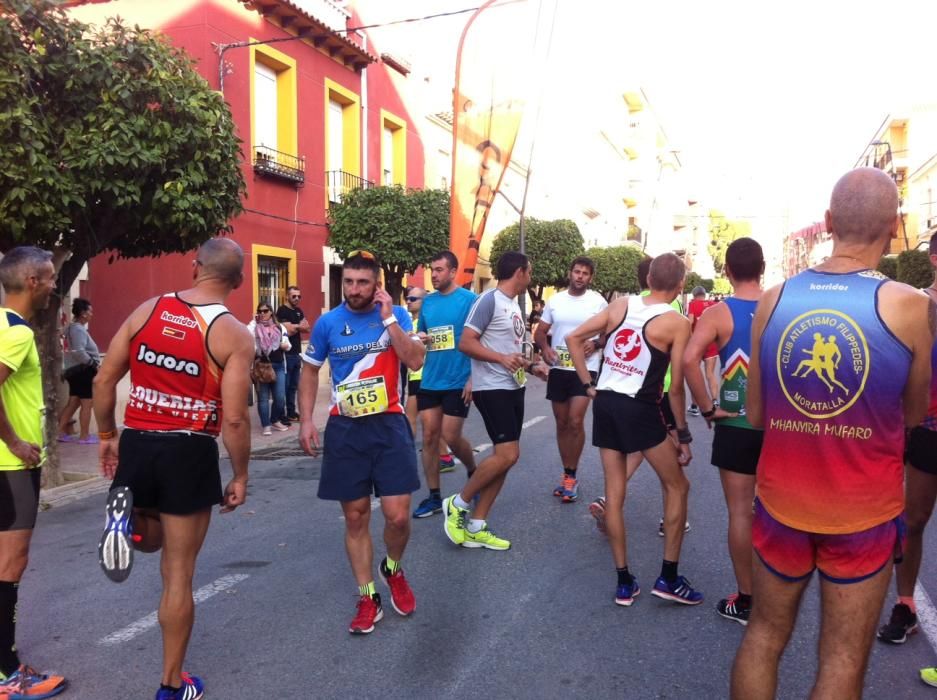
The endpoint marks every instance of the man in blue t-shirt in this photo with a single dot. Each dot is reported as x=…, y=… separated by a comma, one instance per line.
x=446, y=387
x=368, y=445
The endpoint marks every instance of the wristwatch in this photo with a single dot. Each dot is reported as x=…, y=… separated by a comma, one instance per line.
x=588, y=385
x=710, y=413
x=388, y=322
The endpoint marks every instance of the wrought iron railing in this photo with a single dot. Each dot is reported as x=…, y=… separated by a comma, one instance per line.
x=272, y=163
x=341, y=183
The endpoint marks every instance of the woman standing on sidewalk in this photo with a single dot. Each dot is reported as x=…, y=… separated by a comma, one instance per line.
x=270, y=340
x=81, y=364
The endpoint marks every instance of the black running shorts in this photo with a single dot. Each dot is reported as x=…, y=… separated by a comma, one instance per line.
x=173, y=473
x=667, y=412
x=372, y=454
x=564, y=384
x=19, y=499
x=625, y=424
x=736, y=449
x=450, y=400
x=921, y=450
x=503, y=413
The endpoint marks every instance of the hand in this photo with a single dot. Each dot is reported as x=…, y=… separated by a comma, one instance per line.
x=235, y=493
x=513, y=362
x=589, y=347
x=107, y=453
x=467, y=392
x=539, y=369
x=384, y=302
x=684, y=455
x=720, y=414
x=304, y=325
x=424, y=338
x=591, y=392
x=309, y=438
x=550, y=356
x=29, y=452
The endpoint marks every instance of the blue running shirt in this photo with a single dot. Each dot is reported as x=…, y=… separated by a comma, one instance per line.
x=443, y=318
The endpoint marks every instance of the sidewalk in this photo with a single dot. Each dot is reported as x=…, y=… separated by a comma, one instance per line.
x=80, y=465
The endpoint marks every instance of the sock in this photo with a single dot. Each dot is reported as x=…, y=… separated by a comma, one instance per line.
x=569, y=472
x=744, y=600
x=435, y=493
x=909, y=601
x=9, y=660
x=459, y=503
x=392, y=566
x=367, y=589
x=475, y=525
x=163, y=686
x=624, y=577
x=668, y=571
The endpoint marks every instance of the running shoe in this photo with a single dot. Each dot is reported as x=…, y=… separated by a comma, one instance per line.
x=27, y=683
x=597, y=510
x=401, y=595
x=625, y=594
x=731, y=610
x=902, y=623
x=369, y=612
x=277, y=425
x=568, y=490
x=929, y=676
x=660, y=527
x=485, y=538
x=428, y=506
x=454, y=524
x=293, y=418
x=693, y=410
x=192, y=689
x=446, y=464
x=678, y=591
x=268, y=431
x=115, y=550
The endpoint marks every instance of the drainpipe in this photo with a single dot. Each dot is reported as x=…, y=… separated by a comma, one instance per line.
x=364, y=112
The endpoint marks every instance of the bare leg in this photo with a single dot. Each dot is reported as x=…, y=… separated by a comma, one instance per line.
x=70, y=407
x=396, y=511
x=709, y=369
x=14, y=554
x=676, y=487
x=452, y=436
x=634, y=461
x=183, y=538
x=410, y=410
x=739, y=491
x=615, y=466
x=920, y=493
x=570, y=433
x=148, y=527
x=84, y=419
x=358, y=539
x=489, y=477
x=432, y=425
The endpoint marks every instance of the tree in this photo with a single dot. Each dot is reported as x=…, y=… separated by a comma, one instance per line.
x=112, y=142
x=914, y=268
x=404, y=228
x=616, y=270
x=550, y=245
x=722, y=232
x=693, y=280
x=888, y=266
x=721, y=286
x=708, y=285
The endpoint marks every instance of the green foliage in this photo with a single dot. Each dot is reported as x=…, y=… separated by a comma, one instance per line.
x=888, y=266
x=708, y=284
x=722, y=232
x=404, y=228
x=635, y=234
x=693, y=280
x=550, y=245
x=914, y=268
x=721, y=286
x=616, y=269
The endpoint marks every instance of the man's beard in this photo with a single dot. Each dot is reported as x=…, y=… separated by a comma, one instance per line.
x=358, y=303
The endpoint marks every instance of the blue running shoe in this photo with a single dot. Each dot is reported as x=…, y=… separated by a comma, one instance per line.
x=680, y=591
x=26, y=683
x=428, y=506
x=192, y=689
x=115, y=550
x=625, y=594
x=446, y=464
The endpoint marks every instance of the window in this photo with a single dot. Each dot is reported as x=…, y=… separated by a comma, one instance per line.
x=273, y=115
x=265, y=106
x=336, y=296
x=387, y=156
x=274, y=271
x=343, y=129
x=393, y=149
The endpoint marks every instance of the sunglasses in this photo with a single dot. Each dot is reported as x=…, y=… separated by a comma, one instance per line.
x=414, y=298
x=363, y=253
x=296, y=296
x=263, y=311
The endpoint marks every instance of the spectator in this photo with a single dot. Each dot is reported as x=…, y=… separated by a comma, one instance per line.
x=270, y=340
x=81, y=364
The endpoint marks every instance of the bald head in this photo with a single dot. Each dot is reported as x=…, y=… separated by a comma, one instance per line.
x=221, y=259
x=666, y=273
x=864, y=207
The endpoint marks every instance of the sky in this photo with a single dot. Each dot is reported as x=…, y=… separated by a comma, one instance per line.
x=767, y=103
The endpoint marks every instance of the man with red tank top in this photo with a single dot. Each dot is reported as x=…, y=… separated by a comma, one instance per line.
x=189, y=361
x=840, y=365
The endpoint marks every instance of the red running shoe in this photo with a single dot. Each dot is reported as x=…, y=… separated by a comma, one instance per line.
x=401, y=595
x=369, y=612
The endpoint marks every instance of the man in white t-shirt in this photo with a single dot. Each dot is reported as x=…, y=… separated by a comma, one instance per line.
x=563, y=313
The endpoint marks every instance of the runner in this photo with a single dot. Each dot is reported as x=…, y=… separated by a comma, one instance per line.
x=697, y=306
x=28, y=278
x=446, y=388
x=493, y=337
x=368, y=446
x=188, y=357
x=564, y=312
x=830, y=475
x=643, y=333
x=736, y=443
x=414, y=298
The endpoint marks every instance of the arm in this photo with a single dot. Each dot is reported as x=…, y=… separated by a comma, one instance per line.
x=308, y=391
x=235, y=385
x=677, y=395
x=754, y=402
x=409, y=349
x=284, y=338
x=576, y=340
x=916, y=396
x=540, y=338
x=77, y=346
x=471, y=345
x=710, y=329
x=29, y=452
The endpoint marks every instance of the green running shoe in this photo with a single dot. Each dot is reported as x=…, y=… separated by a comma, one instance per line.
x=485, y=538
x=454, y=523
x=929, y=676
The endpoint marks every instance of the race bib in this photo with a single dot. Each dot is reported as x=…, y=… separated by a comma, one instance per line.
x=441, y=338
x=562, y=357
x=520, y=376
x=364, y=397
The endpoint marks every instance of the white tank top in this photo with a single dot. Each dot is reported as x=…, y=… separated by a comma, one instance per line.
x=630, y=364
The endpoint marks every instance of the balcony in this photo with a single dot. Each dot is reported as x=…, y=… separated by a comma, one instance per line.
x=341, y=183
x=282, y=166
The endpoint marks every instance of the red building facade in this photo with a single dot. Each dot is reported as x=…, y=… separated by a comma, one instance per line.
x=318, y=114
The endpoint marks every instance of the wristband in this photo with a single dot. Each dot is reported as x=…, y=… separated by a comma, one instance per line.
x=710, y=413
x=684, y=436
x=107, y=435
x=588, y=385
x=388, y=322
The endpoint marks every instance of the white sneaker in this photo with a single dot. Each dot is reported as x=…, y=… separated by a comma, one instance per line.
x=277, y=425
x=267, y=431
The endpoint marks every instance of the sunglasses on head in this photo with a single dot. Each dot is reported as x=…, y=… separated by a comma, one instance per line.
x=363, y=253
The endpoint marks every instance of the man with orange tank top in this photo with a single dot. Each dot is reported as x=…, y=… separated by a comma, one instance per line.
x=189, y=362
x=840, y=365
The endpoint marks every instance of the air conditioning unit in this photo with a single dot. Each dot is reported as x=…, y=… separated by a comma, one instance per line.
x=932, y=222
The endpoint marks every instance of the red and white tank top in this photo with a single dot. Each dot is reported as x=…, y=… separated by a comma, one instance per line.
x=175, y=384
x=630, y=364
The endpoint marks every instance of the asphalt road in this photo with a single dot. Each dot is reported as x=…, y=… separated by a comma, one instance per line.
x=276, y=596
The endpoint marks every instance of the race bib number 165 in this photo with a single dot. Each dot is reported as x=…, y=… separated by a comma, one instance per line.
x=362, y=398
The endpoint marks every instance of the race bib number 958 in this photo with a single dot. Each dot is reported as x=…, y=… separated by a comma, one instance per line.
x=364, y=397
x=441, y=338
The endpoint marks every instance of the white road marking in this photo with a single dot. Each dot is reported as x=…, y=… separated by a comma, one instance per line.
x=534, y=421
x=926, y=614
x=145, y=623
x=481, y=448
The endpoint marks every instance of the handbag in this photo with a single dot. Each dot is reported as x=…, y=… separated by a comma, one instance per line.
x=262, y=371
